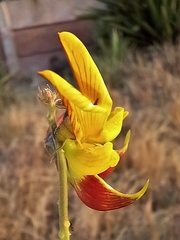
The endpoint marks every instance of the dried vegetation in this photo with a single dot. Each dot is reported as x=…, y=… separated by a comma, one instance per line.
x=29, y=182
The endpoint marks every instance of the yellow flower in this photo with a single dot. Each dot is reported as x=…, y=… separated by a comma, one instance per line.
x=87, y=130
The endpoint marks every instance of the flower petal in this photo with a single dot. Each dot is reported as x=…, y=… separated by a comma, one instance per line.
x=126, y=143
x=106, y=173
x=98, y=195
x=112, y=127
x=67, y=91
x=85, y=71
x=91, y=118
x=90, y=159
x=121, y=152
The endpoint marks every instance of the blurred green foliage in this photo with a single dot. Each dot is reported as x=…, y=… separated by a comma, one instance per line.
x=111, y=55
x=142, y=22
x=117, y=47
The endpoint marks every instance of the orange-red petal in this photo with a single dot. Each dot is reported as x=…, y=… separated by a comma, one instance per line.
x=106, y=173
x=98, y=195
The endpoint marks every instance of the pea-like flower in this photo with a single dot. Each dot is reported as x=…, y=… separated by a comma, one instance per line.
x=87, y=129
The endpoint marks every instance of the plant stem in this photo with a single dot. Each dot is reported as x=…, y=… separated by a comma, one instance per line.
x=51, y=116
x=64, y=223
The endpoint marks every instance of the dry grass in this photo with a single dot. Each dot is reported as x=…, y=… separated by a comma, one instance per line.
x=29, y=183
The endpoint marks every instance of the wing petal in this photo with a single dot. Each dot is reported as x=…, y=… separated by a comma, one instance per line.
x=86, y=118
x=89, y=159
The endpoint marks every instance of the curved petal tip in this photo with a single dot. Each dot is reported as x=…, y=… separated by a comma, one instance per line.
x=98, y=195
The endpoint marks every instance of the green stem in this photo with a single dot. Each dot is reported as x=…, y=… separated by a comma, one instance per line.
x=51, y=116
x=64, y=223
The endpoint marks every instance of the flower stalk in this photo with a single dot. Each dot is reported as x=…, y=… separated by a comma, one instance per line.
x=49, y=98
x=64, y=223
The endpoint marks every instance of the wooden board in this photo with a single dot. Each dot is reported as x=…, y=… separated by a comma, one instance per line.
x=44, y=38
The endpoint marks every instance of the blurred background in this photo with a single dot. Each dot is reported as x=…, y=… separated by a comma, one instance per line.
x=136, y=45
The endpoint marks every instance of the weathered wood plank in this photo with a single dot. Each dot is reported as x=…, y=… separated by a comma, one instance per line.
x=29, y=13
x=29, y=31
x=6, y=40
x=44, y=39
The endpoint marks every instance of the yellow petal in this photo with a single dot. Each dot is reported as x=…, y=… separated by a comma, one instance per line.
x=84, y=116
x=125, y=114
x=85, y=71
x=91, y=124
x=66, y=90
x=112, y=127
x=126, y=143
x=90, y=159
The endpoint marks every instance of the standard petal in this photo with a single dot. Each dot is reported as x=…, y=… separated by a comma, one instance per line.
x=90, y=159
x=85, y=71
x=98, y=195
